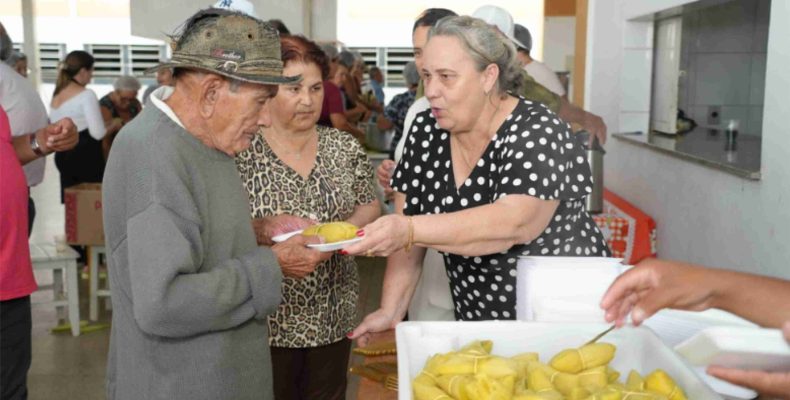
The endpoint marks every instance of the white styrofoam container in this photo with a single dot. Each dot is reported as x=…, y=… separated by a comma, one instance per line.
x=637, y=348
x=742, y=348
x=545, y=283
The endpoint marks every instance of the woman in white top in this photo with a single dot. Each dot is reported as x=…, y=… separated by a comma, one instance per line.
x=84, y=163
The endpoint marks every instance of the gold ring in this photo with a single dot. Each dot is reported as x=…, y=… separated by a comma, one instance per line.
x=369, y=253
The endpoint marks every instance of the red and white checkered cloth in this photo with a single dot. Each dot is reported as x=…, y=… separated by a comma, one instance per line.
x=630, y=233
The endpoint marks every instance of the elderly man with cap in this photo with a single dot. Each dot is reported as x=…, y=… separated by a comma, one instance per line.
x=536, y=69
x=191, y=288
x=501, y=18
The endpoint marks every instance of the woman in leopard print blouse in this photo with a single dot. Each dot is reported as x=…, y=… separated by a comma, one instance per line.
x=298, y=171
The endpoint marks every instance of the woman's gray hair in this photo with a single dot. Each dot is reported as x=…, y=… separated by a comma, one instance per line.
x=126, y=83
x=346, y=58
x=330, y=49
x=486, y=45
x=410, y=74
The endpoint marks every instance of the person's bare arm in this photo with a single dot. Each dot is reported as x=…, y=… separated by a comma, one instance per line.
x=365, y=213
x=60, y=136
x=474, y=231
x=589, y=121
x=656, y=284
x=340, y=121
x=400, y=280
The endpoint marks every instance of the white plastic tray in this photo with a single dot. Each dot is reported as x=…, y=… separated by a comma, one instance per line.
x=637, y=348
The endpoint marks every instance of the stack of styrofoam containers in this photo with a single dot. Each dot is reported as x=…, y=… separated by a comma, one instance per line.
x=564, y=289
x=637, y=348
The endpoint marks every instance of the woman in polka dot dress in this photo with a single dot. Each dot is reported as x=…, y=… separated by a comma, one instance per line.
x=485, y=177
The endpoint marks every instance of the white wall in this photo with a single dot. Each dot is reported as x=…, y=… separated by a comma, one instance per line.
x=559, y=39
x=703, y=215
x=364, y=23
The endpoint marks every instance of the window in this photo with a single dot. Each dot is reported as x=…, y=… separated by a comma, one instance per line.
x=391, y=60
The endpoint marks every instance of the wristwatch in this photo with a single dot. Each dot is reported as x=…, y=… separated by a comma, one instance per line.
x=35, y=147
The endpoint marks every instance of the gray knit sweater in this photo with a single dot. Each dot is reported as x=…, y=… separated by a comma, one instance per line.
x=190, y=288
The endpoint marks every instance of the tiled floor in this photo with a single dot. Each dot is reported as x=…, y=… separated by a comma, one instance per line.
x=66, y=367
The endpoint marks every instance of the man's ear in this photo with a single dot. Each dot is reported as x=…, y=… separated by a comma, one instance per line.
x=210, y=94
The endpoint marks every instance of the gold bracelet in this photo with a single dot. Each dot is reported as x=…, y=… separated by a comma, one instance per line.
x=410, y=243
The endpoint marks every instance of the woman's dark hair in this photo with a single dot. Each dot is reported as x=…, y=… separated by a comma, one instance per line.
x=71, y=66
x=297, y=48
x=431, y=16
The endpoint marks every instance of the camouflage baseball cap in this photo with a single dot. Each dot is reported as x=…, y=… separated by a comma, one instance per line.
x=231, y=44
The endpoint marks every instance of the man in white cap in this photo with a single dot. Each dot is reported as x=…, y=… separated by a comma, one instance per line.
x=243, y=6
x=502, y=19
x=538, y=70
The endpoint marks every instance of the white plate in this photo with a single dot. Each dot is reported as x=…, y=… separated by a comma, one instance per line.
x=324, y=247
x=285, y=236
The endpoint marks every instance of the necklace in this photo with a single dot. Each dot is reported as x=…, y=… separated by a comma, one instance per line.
x=296, y=153
x=461, y=148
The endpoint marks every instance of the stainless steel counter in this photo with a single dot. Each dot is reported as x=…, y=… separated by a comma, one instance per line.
x=706, y=147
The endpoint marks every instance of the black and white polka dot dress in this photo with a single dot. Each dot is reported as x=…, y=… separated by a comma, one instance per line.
x=532, y=154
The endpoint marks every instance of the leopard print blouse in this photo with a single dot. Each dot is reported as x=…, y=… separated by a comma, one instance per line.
x=321, y=308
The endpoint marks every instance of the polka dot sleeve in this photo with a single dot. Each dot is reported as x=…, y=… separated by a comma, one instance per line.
x=405, y=178
x=540, y=158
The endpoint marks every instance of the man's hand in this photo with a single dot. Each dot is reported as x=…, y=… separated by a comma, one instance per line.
x=595, y=125
x=268, y=227
x=58, y=137
x=296, y=259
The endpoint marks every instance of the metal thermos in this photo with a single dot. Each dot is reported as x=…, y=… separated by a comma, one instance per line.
x=594, y=153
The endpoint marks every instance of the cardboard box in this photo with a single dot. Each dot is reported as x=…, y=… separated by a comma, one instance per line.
x=84, y=222
x=637, y=348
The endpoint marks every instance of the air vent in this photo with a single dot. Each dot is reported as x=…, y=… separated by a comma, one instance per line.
x=391, y=60
x=109, y=59
x=49, y=56
x=396, y=60
x=144, y=57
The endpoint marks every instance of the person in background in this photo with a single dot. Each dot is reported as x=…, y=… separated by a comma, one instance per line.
x=26, y=114
x=333, y=113
x=432, y=300
x=164, y=77
x=18, y=61
x=24, y=138
x=395, y=111
x=656, y=284
x=84, y=163
x=355, y=109
x=491, y=177
x=280, y=26
x=318, y=174
x=118, y=108
x=533, y=90
x=191, y=287
x=536, y=69
x=16, y=273
x=376, y=84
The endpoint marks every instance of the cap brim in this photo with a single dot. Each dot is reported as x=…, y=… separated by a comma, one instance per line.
x=518, y=43
x=255, y=79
